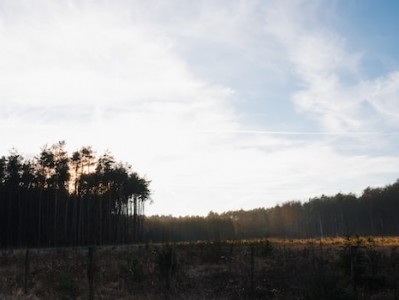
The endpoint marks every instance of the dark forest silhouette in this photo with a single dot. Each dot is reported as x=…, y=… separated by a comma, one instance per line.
x=375, y=212
x=56, y=199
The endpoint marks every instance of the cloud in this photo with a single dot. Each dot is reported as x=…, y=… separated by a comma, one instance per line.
x=382, y=94
x=332, y=90
x=124, y=76
x=100, y=55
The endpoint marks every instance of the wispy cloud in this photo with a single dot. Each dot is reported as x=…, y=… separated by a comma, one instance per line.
x=155, y=83
x=331, y=87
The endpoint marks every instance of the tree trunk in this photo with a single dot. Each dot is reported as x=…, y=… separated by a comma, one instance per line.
x=39, y=229
x=135, y=225
x=20, y=218
x=55, y=218
x=66, y=221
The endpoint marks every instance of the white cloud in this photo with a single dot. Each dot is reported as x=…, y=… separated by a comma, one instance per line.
x=114, y=76
x=90, y=57
x=331, y=87
x=383, y=95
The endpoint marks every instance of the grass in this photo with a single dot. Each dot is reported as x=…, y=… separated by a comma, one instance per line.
x=331, y=268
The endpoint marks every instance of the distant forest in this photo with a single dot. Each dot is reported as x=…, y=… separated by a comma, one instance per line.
x=57, y=199
x=375, y=212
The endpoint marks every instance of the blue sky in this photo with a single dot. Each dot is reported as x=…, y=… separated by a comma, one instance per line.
x=222, y=104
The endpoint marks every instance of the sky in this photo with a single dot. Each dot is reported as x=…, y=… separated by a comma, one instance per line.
x=223, y=105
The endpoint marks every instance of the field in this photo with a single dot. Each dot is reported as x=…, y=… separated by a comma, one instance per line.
x=334, y=268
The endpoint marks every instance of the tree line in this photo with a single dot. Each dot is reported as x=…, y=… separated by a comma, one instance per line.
x=374, y=212
x=57, y=199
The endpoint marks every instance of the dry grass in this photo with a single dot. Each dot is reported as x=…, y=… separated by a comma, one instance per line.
x=279, y=269
x=378, y=240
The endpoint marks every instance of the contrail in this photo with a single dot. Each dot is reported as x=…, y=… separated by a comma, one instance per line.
x=320, y=133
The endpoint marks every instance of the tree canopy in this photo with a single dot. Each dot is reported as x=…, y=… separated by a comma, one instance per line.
x=375, y=212
x=58, y=199
x=61, y=199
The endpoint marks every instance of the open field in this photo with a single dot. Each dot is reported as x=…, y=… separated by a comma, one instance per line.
x=334, y=268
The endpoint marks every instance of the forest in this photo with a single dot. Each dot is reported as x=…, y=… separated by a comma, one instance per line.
x=375, y=212
x=56, y=199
